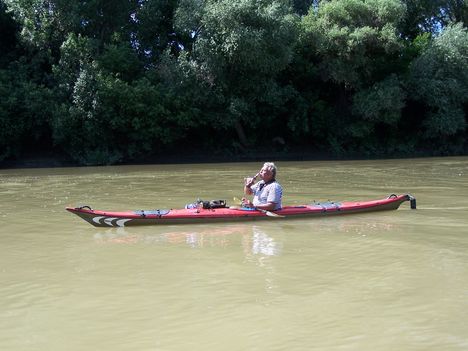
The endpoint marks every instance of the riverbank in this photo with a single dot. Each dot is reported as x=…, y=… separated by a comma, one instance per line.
x=53, y=160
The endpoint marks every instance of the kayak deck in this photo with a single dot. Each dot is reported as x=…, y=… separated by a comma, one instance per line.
x=100, y=218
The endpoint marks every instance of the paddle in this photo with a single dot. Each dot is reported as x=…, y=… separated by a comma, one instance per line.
x=268, y=213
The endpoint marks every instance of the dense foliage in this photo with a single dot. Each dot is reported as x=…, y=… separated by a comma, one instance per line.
x=107, y=81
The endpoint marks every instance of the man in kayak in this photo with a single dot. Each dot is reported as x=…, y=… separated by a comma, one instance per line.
x=267, y=193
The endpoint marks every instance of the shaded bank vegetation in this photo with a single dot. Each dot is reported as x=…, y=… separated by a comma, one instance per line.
x=107, y=81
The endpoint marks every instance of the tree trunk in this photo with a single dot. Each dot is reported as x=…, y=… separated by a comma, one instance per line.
x=241, y=134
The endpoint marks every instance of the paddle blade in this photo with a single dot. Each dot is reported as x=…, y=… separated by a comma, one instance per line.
x=272, y=214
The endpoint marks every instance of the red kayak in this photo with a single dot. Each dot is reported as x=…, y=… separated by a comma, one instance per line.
x=200, y=214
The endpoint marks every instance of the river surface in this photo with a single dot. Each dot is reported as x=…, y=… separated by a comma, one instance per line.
x=394, y=280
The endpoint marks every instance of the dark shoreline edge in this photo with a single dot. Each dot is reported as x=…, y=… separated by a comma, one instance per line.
x=60, y=161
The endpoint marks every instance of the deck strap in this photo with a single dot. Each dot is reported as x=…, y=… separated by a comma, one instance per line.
x=145, y=213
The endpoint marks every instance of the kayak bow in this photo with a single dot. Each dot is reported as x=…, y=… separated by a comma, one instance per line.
x=200, y=215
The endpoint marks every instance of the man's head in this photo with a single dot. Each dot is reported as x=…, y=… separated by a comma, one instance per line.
x=268, y=171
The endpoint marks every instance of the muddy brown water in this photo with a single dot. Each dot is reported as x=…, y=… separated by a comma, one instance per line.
x=378, y=281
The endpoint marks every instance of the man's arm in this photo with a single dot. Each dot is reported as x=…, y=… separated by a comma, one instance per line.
x=248, y=182
x=269, y=206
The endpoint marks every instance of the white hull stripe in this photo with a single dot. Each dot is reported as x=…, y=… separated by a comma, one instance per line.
x=111, y=221
x=98, y=219
x=108, y=221
x=121, y=222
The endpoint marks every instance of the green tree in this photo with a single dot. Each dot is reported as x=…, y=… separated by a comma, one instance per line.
x=431, y=16
x=109, y=81
x=439, y=79
x=23, y=112
x=47, y=24
x=9, y=39
x=301, y=7
x=356, y=48
x=108, y=115
x=25, y=100
x=241, y=47
x=153, y=28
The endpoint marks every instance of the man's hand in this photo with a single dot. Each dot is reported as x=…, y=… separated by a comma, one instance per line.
x=249, y=181
x=246, y=202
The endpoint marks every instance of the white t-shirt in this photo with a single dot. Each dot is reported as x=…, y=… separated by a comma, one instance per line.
x=271, y=192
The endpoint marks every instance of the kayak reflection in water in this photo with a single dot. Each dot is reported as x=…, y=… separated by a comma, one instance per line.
x=267, y=193
x=263, y=244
